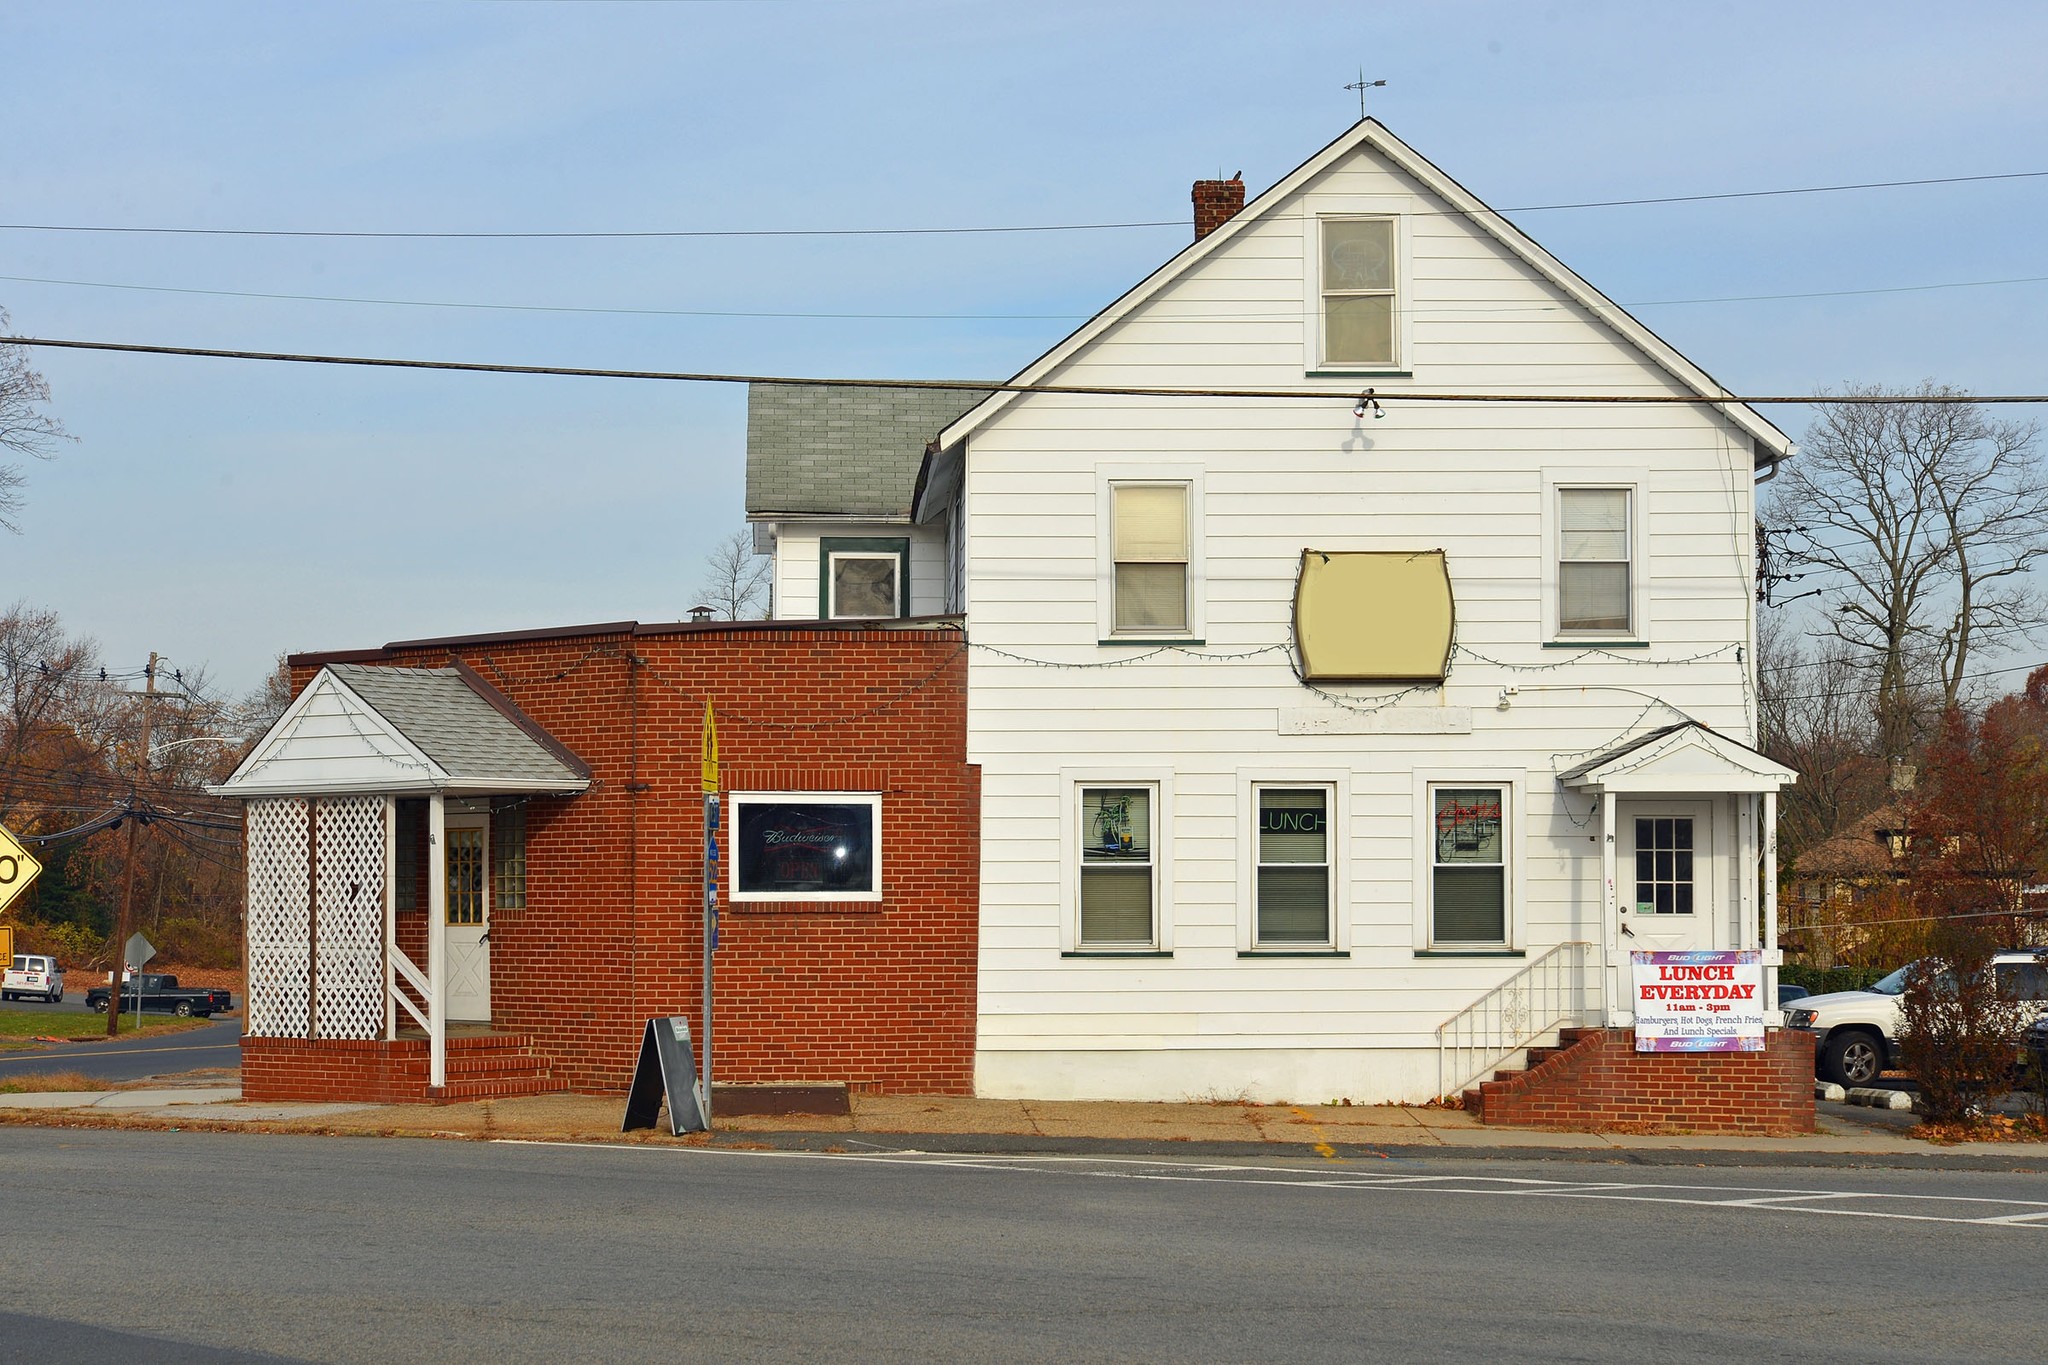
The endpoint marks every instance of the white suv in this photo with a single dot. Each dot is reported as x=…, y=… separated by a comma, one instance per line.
x=1856, y=1033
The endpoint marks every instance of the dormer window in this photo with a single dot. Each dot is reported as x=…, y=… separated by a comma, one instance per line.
x=863, y=578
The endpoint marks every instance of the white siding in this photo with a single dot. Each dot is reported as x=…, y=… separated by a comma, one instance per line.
x=1281, y=476
x=796, y=564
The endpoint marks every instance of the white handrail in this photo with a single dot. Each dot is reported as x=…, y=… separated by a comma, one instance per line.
x=1547, y=993
x=414, y=978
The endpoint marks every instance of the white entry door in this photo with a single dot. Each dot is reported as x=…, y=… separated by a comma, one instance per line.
x=1669, y=876
x=469, y=918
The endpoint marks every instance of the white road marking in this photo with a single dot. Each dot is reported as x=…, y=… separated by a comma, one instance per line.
x=1913, y=1208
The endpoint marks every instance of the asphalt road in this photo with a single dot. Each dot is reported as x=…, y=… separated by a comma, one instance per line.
x=131, y=1056
x=373, y=1249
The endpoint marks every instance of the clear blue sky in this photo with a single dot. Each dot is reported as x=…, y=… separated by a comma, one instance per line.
x=222, y=512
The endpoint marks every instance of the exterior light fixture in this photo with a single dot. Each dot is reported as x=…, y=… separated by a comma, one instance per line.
x=1367, y=402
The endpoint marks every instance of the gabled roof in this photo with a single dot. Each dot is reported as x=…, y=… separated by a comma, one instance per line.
x=827, y=451
x=1686, y=757
x=1769, y=443
x=404, y=730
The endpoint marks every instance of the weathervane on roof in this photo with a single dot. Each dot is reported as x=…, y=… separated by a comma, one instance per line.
x=1361, y=85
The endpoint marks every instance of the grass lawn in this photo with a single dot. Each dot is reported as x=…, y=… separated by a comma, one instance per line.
x=51, y=1082
x=18, y=1026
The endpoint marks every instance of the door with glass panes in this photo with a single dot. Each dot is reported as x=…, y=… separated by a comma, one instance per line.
x=469, y=918
x=1666, y=886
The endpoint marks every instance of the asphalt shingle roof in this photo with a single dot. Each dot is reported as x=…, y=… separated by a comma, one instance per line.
x=455, y=724
x=832, y=451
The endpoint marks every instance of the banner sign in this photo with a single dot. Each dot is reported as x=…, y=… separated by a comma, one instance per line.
x=1699, y=1001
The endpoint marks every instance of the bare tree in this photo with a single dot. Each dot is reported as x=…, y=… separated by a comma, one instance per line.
x=1923, y=515
x=24, y=428
x=1817, y=720
x=735, y=584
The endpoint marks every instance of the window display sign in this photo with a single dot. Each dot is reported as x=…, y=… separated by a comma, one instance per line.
x=805, y=848
x=1699, y=1001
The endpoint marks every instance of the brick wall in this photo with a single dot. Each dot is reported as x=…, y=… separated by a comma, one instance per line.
x=276, y=1069
x=1601, y=1081
x=879, y=995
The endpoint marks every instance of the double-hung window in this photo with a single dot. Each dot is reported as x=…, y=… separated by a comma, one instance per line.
x=1359, y=278
x=1118, y=837
x=1151, y=554
x=1292, y=879
x=1595, y=569
x=1468, y=891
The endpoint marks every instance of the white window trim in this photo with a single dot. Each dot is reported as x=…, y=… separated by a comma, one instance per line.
x=1106, y=478
x=1635, y=482
x=1249, y=780
x=1512, y=785
x=1072, y=780
x=1401, y=210
x=729, y=844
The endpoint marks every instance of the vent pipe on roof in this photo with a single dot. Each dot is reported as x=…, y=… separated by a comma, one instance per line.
x=1216, y=203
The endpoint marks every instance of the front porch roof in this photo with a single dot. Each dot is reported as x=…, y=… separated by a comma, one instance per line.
x=400, y=731
x=1687, y=757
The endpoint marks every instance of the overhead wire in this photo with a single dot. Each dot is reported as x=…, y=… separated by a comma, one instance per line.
x=1324, y=395
x=990, y=230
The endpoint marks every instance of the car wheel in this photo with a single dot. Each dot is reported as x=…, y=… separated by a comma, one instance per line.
x=6, y=995
x=1853, y=1059
x=99, y=1007
x=183, y=1009
x=56, y=999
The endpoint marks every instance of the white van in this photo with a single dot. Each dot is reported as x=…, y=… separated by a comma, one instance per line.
x=33, y=974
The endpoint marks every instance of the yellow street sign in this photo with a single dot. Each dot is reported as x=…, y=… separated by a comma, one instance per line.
x=17, y=868
x=710, y=750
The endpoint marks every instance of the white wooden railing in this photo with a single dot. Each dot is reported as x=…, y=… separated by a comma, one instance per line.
x=402, y=967
x=1550, y=992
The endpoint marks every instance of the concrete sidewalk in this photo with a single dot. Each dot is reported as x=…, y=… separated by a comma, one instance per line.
x=959, y=1124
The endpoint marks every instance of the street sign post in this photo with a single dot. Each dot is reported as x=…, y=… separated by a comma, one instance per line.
x=18, y=868
x=135, y=954
x=710, y=785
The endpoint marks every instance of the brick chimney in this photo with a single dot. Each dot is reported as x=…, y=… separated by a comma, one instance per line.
x=1216, y=203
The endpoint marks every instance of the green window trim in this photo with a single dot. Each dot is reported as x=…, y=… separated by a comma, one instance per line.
x=832, y=545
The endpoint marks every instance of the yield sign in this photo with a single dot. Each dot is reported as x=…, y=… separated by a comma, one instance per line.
x=17, y=868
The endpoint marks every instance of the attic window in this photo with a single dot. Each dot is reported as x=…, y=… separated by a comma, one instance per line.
x=1359, y=275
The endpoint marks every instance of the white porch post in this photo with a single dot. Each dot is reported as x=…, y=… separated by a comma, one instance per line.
x=1772, y=957
x=1747, y=926
x=1608, y=936
x=390, y=917
x=437, y=940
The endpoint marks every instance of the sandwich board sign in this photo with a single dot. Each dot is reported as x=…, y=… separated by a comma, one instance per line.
x=18, y=868
x=666, y=1070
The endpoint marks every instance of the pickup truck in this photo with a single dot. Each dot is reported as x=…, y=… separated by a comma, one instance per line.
x=160, y=992
x=33, y=974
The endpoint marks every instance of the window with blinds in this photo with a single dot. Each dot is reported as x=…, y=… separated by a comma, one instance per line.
x=1150, y=553
x=1118, y=870
x=1358, y=284
x=1468, y=875
x=1593, y=572
x=1293, y=870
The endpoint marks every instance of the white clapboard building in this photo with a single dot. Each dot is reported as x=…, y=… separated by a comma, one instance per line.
x=1336, y=742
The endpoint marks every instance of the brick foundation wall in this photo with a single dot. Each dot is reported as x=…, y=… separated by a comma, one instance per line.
x=878, y=995
x=278, y=1069
x=1601, y=1081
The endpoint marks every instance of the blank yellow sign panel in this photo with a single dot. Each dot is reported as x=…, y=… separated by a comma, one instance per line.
x=1373, y=615
x=17, y=868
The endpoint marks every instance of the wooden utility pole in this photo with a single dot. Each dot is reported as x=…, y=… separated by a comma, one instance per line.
x=127, y=912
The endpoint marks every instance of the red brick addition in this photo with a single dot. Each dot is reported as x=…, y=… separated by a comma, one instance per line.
x=877, y=995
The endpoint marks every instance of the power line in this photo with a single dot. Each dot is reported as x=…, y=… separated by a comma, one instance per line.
x=1008, y=386
x=808, y=316
x=659, y=234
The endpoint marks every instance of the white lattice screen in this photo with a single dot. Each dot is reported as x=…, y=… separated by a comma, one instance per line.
x=280, y=943
x=350, y=992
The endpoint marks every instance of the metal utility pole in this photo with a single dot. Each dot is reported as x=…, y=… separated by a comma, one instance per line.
x=126, y=915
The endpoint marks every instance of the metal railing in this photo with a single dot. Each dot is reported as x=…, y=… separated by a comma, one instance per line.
x=1550, y=992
